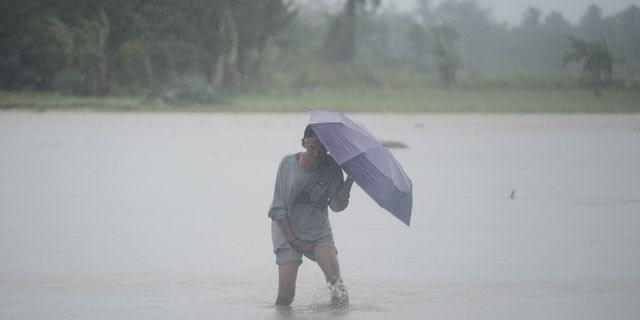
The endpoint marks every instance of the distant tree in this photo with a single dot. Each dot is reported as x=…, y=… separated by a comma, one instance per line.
x=477, y=36
x=89, y=46
x=419, y=39
x=229, y=36
x=442, y=42
x=553, y=38
x=624, y=39
x=380, y=35
x=555, y=21
x=257, y=23
x=591, y=24
x=596, y=59
x=425, y=12
x=34, y=45
x=529, y=40
x=531, y=17
x=462, y=14
x=89, y=62
x=341, y=39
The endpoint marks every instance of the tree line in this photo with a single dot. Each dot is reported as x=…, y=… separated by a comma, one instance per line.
x=462, y=35
x=96, y=47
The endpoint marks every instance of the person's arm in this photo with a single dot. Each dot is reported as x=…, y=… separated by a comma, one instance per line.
x=341, y=199
x=279, y=213
x=278, y=209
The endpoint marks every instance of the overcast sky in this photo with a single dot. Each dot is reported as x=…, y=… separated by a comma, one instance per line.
x=511, y=10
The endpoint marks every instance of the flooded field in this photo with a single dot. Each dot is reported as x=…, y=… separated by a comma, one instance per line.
x=164, y=216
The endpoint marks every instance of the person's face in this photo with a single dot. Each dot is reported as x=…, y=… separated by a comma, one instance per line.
x=315, y=150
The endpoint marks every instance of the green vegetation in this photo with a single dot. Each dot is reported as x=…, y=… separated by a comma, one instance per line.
x=97, y=47
x=269, y=55
x=596, y=59
x=408, y=99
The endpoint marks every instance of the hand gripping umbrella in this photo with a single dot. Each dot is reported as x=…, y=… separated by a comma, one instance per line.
x=366, y=160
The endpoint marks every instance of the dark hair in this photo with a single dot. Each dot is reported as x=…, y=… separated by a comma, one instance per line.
x=308, y=132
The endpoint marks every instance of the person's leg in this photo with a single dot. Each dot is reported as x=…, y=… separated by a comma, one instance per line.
x=287, y=274
x=328, y=261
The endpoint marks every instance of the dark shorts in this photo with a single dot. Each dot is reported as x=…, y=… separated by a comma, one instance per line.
x=287, y=254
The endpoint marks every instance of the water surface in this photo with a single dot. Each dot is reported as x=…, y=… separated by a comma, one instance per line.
x=164, y=216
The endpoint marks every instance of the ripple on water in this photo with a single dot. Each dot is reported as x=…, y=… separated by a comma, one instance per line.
x=318, y=306
x=605, y=201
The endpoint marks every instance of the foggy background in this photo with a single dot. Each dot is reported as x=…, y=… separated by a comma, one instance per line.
x=511, y=10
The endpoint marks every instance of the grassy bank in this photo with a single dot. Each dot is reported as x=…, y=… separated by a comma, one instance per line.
x=382, y=99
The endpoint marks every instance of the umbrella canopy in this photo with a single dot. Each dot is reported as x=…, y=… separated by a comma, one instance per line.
x=366, y=160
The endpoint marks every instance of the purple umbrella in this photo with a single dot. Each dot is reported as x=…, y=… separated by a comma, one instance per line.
x=366, y=160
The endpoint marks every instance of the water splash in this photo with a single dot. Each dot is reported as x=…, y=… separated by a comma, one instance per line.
x=339, y=294
x=330, y=298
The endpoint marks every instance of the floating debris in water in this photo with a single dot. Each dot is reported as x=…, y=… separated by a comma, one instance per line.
x=394, y=144
x=513, y=193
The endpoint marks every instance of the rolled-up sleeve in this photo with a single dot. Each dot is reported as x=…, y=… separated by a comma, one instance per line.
x=278, y=209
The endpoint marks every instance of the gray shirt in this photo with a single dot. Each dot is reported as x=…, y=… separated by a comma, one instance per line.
x=302, y=196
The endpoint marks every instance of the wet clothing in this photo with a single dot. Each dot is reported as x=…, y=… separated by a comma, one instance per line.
x=286, y=253
x=303, y=196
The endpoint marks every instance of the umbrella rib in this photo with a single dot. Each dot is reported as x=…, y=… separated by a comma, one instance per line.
x=363, y=151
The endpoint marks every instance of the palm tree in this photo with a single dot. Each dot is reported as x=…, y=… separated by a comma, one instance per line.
x=596, y=59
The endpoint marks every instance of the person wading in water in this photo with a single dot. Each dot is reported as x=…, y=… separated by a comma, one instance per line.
x=307, y=183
